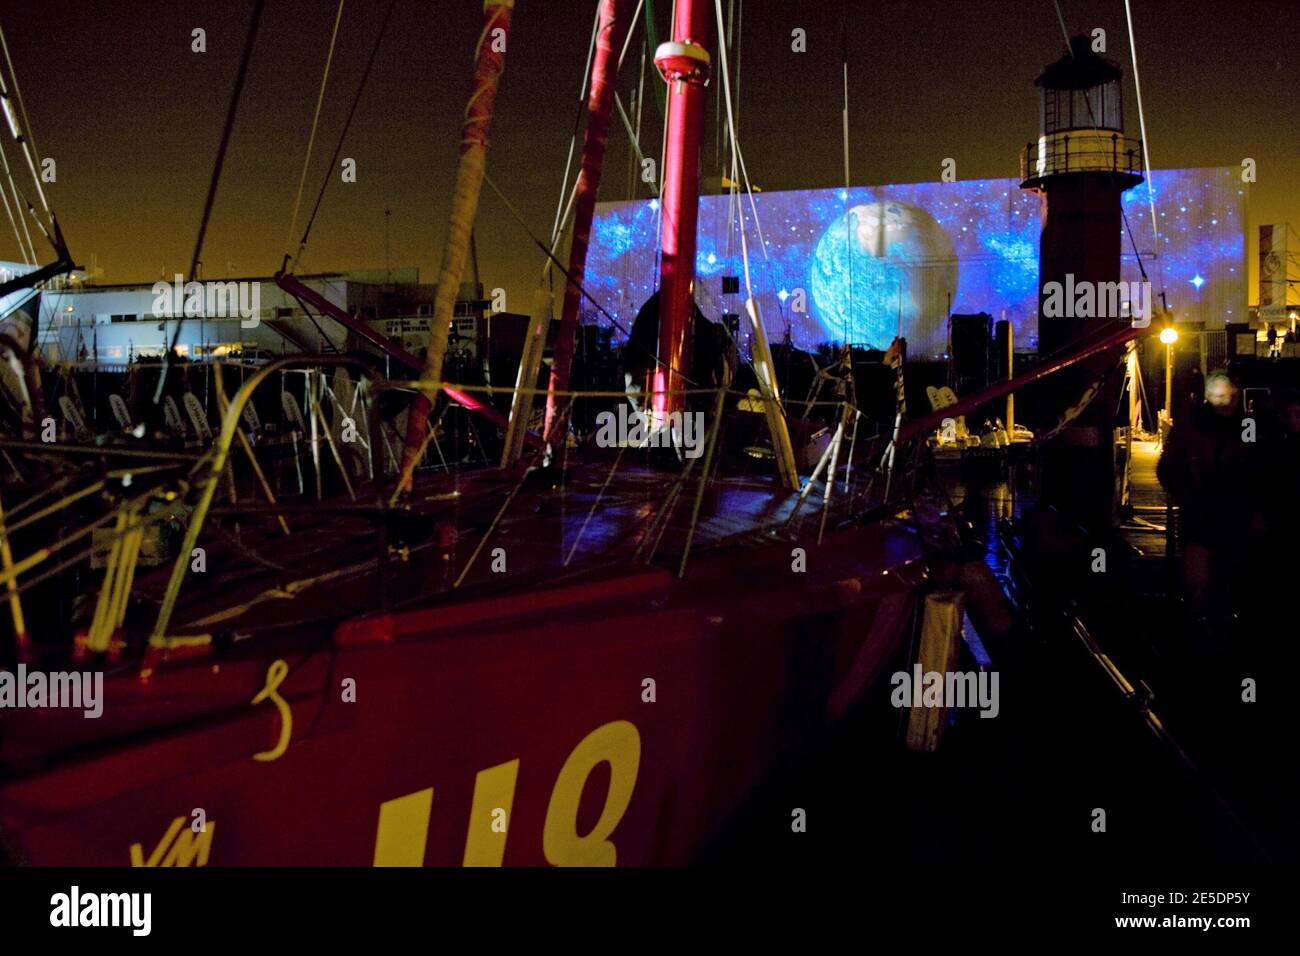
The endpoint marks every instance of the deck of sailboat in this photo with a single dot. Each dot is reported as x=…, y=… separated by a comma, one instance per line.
x=354, y=558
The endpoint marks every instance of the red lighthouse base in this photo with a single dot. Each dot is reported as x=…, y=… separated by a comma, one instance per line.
x=1080, y=248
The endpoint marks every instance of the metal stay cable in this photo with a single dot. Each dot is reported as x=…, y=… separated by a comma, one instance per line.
x=315, y=121
x=23, y=133
x=565, y=272
x=561, y=209
x=212, y=185
x=352, y=112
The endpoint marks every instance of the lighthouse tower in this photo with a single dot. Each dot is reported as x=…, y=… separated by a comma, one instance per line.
x=1081, y=165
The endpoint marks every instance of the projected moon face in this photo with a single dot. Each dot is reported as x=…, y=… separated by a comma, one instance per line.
x=872, y=261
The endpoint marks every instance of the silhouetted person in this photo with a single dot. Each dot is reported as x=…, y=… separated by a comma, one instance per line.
x=1205, y=468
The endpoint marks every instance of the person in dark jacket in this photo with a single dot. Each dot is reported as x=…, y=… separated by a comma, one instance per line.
x=1205, y=468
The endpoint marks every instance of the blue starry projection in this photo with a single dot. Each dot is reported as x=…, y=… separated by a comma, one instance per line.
x=836, y=265
x=1202, y=262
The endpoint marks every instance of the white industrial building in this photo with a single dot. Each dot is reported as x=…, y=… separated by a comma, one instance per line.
x=109, y=324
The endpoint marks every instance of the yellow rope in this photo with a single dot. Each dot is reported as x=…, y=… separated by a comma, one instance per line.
x=57, y=506
x=15, y=603
x=128, y=562
x=98, y=637
x=119, y=575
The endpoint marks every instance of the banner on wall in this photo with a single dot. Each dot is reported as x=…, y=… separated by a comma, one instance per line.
x=1273, y=263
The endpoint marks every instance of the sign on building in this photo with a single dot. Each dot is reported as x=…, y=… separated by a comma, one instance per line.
x=1274, y=271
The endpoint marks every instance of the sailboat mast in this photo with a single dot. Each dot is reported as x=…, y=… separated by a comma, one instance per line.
x=489, y=64
x=604, y=74
x=685, y=65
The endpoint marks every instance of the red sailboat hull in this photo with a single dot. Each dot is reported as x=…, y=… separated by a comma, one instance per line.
x=618, y=720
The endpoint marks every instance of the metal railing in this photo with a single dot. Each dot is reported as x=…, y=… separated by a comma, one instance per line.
x=1054, y=155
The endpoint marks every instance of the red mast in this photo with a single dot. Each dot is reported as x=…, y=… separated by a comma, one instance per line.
x=685, y=65
x=604, y=73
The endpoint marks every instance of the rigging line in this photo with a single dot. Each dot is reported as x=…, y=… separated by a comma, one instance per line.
x=1064, y=32
x=22, y=134
x=347, y=125
x=1133, y=242
x=735, y=40
x=735, y=148
x=740, y=27
x=568, y=208
x=28, y=250
x=565, y=272
x=634, y=134
x=18, y=208
x=627, y=43
x=737, y=156
x=749, y=193
x=246, y=57
x=320, y=331
x=640, y=112
x=631, y=31
x=315, y=120
x=717, y=139
x=735, y=142
x=652, y=44
x=14, y=222
x=844, y=45
x=732, y=197
x=1142, y=124
x=55, y=243
x=564, y=207
x=560, y=215
x=844, y=122
x=627, y=125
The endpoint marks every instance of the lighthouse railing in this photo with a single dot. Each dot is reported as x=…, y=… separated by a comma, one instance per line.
x=1081, y=151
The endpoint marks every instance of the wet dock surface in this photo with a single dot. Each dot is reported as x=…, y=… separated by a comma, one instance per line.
x=1023, y=788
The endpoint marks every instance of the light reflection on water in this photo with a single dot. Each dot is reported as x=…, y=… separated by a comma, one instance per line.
x=984, y=504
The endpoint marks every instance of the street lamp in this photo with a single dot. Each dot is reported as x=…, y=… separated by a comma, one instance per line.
x=1169, y=335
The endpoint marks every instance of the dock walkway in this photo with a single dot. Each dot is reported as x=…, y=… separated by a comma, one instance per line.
x=1067, y=740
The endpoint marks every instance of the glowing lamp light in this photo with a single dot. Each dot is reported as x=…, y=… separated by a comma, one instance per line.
x=1169, y=335
x=1197, y=280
